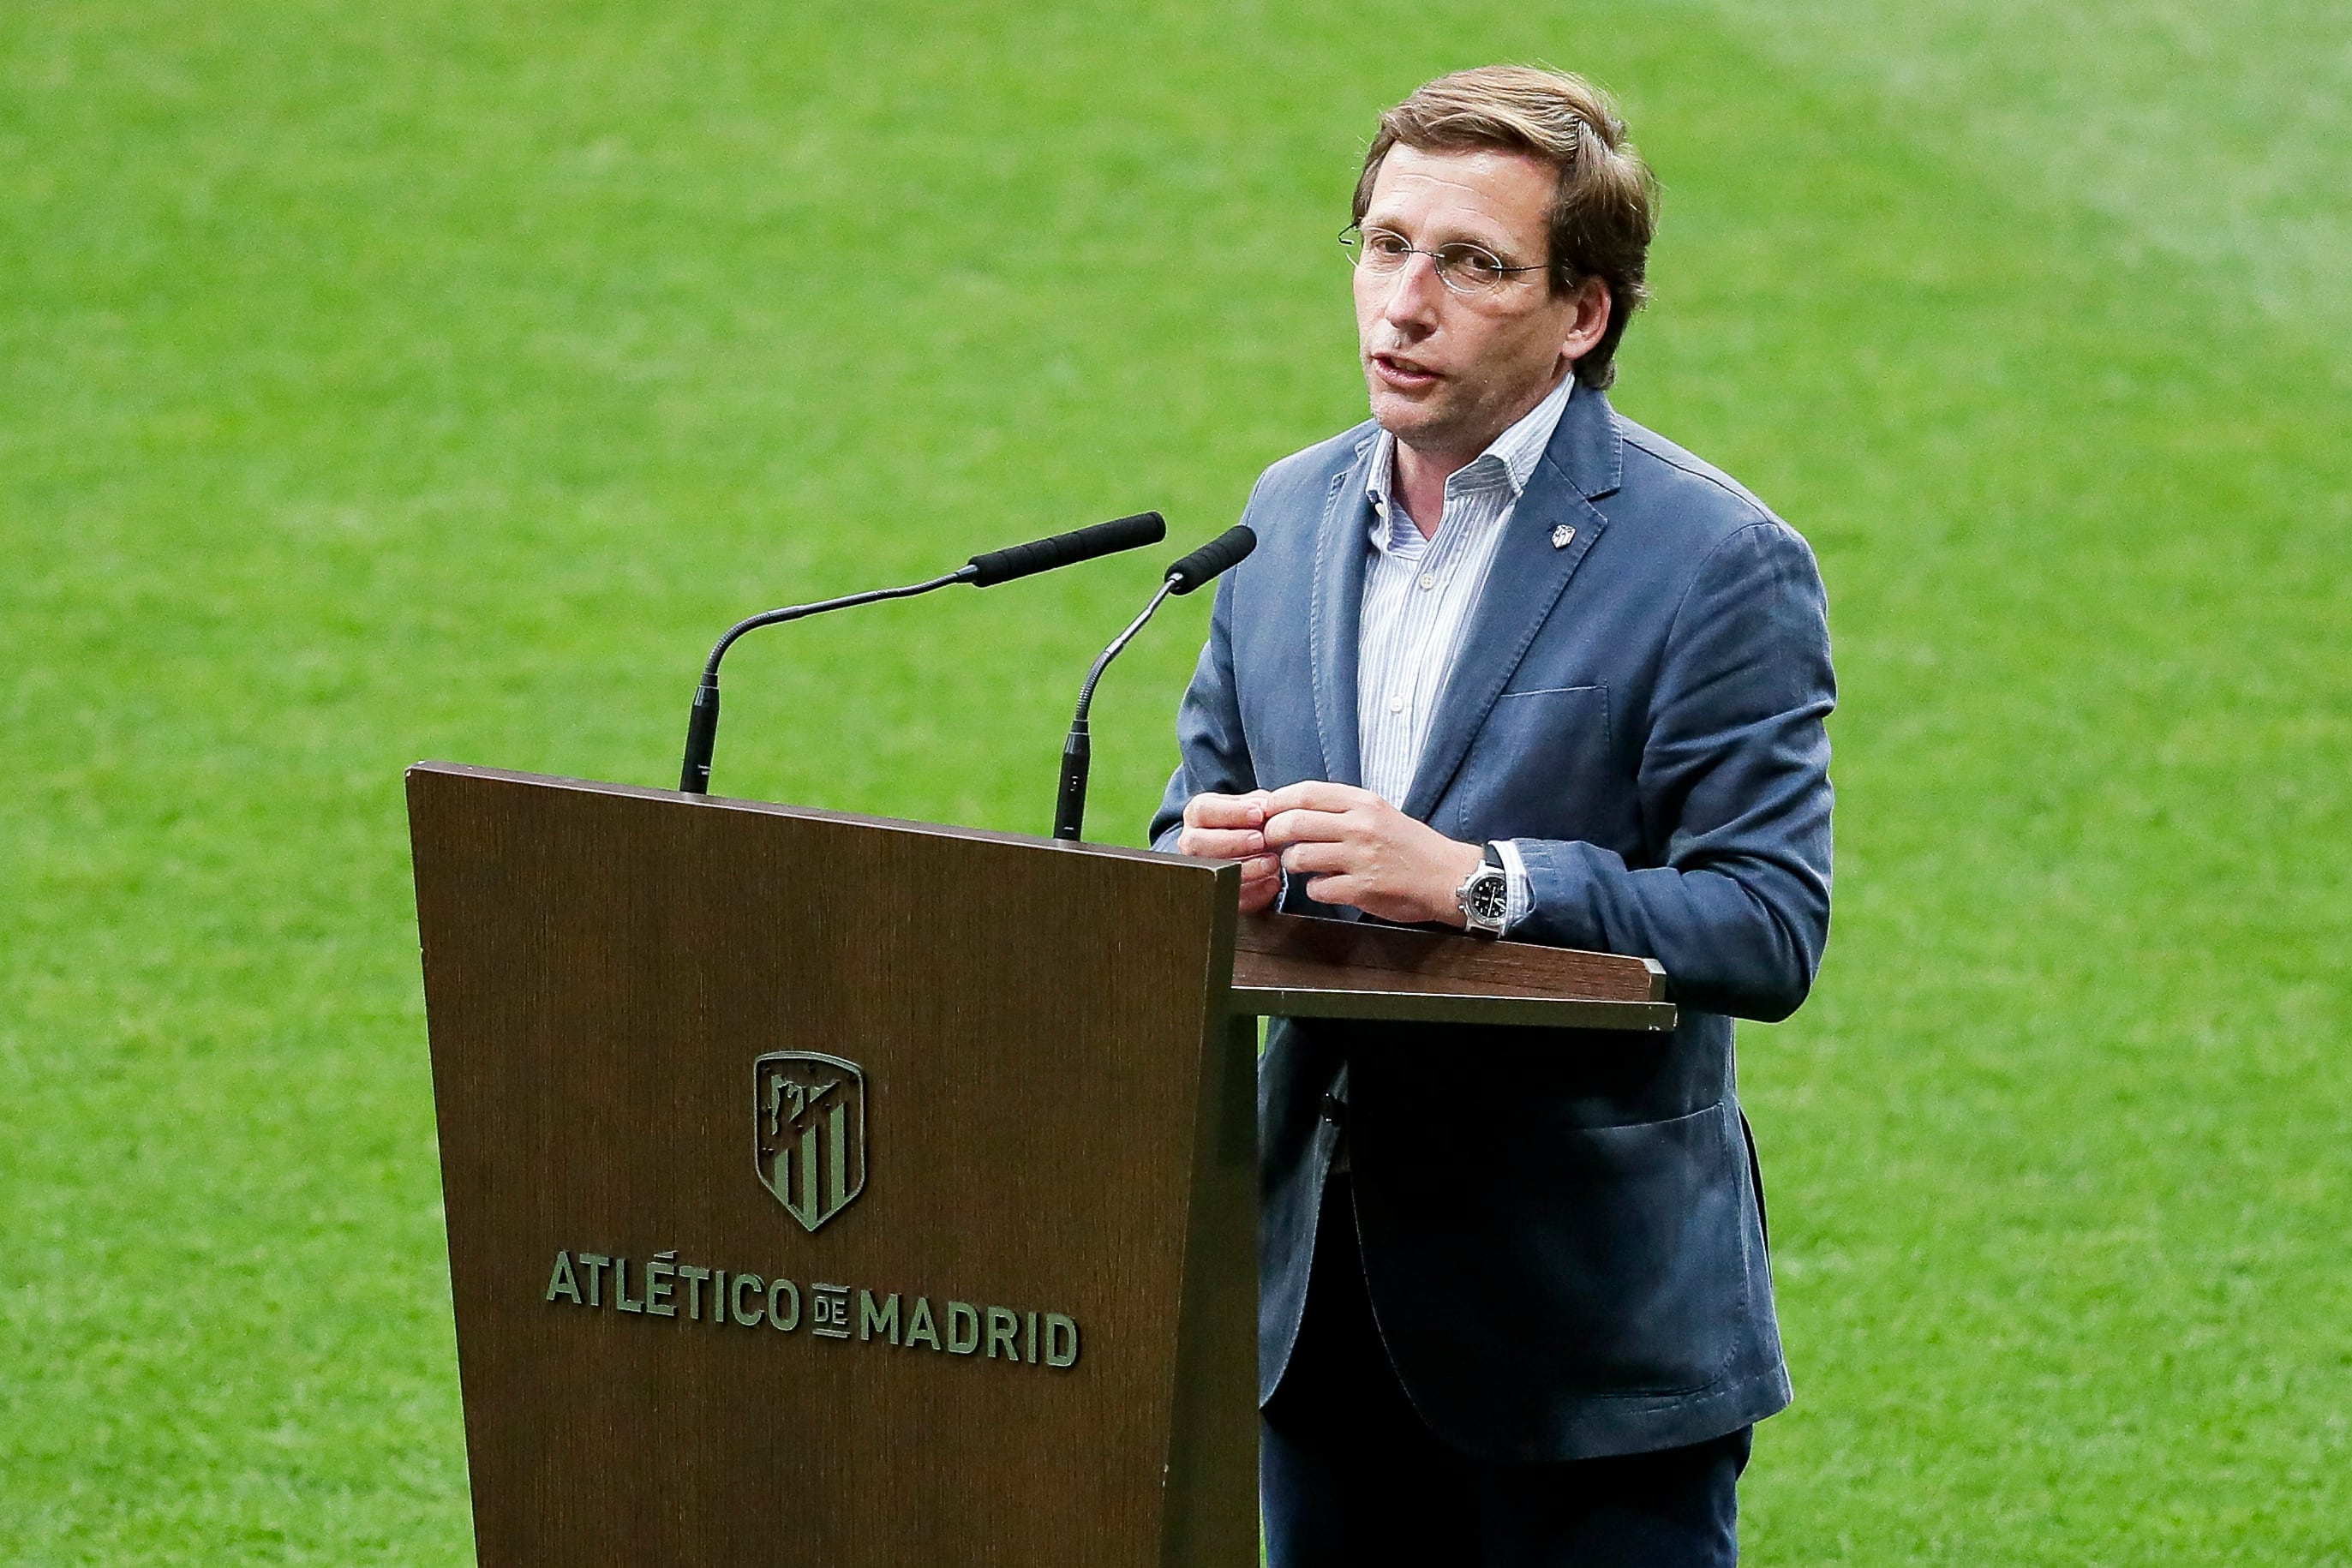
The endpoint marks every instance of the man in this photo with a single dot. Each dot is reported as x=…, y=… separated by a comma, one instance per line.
x=1505, y=660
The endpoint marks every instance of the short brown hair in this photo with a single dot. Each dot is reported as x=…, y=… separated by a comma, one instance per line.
x=1606, y=208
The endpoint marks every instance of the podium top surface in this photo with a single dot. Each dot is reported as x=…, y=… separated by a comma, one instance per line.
x=1288, y=965
x=798, y=813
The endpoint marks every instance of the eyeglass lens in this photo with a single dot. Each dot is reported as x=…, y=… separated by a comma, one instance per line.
x=1465, y=268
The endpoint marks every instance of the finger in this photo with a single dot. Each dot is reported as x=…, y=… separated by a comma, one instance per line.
x=1335, y=889
x=1316, y=794
x=1260, y=867
x=1220, y=811
x=1225, y=810
x=1308, y=860
x=1220, y=843
x=1256, y=895
x=1300, y=825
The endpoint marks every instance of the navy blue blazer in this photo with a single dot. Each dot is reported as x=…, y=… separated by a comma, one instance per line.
x=1562, y=1230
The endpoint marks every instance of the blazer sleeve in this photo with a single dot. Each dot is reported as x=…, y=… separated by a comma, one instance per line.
x=1213, y=753
x=1734, y=783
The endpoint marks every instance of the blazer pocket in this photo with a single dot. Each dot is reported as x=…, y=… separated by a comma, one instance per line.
x=1635, y=1240
x=1542, y=766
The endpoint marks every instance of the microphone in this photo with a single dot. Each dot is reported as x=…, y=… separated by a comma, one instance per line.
x=1067, y=549
x=1212, y=559
x=981, y=572
x=1202, y=565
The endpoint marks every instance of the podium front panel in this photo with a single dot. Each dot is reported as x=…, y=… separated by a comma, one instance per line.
x=823, y=1190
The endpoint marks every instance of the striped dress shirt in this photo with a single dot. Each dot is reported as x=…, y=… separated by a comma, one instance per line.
x=1419, y=593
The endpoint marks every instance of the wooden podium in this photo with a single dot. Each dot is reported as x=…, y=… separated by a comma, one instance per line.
x=826, y=1190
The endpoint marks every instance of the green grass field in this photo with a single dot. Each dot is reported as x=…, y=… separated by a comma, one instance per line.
x=426, y=379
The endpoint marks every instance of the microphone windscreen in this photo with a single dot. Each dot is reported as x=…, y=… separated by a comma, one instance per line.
x=1068, y=549
x=1204, y=564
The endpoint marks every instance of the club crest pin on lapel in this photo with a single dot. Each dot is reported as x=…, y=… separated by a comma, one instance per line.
x=1561, y=535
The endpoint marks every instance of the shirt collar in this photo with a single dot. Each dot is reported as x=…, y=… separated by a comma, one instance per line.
x=1511, y=457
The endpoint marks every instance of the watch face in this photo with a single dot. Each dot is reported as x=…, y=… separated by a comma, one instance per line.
x=1490, y=897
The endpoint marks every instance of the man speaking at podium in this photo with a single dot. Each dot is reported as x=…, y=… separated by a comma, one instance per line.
x=1504, y=660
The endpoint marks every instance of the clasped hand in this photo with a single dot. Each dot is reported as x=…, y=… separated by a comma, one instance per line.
x=1353, y=847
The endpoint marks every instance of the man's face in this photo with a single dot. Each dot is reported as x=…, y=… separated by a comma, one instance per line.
x=1449, y=373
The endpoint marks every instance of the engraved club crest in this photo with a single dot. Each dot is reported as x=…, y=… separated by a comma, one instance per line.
x=808, y=1144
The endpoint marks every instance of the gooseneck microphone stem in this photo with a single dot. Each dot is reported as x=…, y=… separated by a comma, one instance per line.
x=981, y=572
x=702, y=722
x=1094, y=676
x=847, y=601
x=1077, y=747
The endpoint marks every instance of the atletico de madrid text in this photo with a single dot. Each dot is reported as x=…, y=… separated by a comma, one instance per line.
x=665, y=1288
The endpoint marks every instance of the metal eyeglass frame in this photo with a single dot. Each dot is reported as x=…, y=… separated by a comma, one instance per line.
x=1351, y=240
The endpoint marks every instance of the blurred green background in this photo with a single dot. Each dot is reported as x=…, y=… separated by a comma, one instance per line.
x=417, y=379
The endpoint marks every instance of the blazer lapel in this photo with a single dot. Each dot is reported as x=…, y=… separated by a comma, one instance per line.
x=1335, y=610
x=1527, y=577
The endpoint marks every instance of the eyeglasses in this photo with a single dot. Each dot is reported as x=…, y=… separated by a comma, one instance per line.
x=1467, y=270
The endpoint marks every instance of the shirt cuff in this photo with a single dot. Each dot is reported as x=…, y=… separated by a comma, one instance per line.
x=1520, y=901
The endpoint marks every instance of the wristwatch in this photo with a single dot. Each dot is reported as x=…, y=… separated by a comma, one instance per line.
x=1485, y=895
